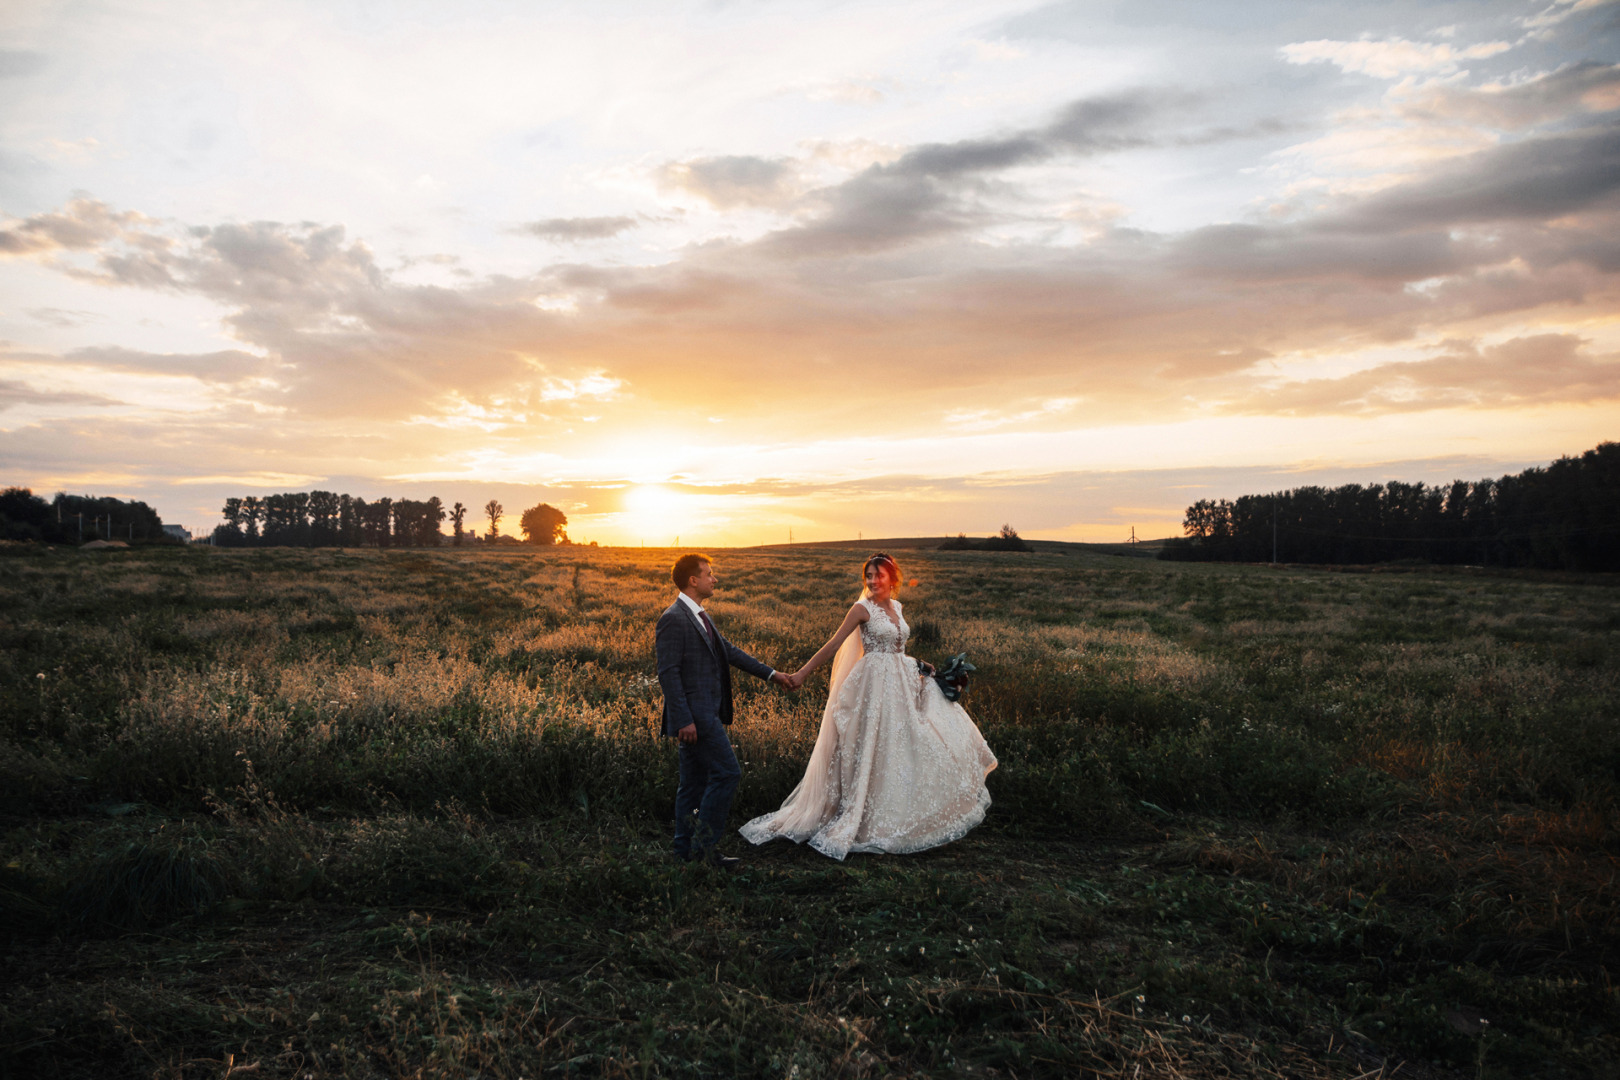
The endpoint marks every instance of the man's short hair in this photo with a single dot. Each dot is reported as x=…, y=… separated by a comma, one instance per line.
x=686, y=566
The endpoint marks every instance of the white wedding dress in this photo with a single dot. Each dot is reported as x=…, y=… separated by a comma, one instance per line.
x=896, y=766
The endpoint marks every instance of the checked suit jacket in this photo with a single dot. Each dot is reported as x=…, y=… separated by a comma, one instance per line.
x=694, y=673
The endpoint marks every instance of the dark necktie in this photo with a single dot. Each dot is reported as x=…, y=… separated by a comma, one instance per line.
x=714, y=638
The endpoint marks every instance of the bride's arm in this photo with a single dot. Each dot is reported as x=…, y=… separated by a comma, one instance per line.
x=857, y=615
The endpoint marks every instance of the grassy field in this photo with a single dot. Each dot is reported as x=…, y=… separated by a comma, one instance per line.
x=281, y=813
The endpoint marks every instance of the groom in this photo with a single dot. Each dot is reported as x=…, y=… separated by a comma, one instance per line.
x=694, y=671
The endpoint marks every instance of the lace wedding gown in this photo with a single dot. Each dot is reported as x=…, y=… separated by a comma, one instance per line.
x=896, y=767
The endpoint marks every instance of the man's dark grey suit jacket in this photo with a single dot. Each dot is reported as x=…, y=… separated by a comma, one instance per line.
x=695, y=675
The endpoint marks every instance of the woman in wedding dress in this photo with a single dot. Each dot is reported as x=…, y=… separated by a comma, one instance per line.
x=896, y=767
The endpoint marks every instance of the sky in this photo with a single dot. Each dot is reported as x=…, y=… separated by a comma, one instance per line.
x=721, y=273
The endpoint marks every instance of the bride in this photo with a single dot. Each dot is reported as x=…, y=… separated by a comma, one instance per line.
x=896, y=766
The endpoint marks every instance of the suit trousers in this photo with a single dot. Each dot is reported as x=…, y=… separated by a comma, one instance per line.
x=709, y=775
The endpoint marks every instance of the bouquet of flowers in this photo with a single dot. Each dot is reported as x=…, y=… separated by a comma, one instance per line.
x=952, y=678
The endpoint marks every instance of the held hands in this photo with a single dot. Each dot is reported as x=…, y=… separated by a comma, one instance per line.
x=790, y=682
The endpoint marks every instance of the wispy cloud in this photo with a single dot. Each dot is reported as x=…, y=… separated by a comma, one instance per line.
x=14, y=393
x=1390, y=58
x=1543, y=369
x=578, y=229
x=735, y=180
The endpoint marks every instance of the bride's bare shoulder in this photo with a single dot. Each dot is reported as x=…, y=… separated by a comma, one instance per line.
x=859, y=611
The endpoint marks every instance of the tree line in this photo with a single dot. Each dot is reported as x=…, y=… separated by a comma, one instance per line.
x=1006, y=540
x=1564, y=516
x=74, y=519
x=327, y=519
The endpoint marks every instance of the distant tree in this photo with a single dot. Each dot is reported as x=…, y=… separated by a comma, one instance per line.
x=348, y=526
x=360, y=523
x=544, y=525
x=382, y=512
x=26, y=516
x=494, y=511
x=1006, y=540
x=1563, y=516
x=230, y=533
x=113, y=519
x=278, y=525
x=458, y=514
x=252, y=513
x=324, y=507
x=406, y=515
x=432, y=516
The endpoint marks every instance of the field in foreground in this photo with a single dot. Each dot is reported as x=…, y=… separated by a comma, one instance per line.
x=327, y=813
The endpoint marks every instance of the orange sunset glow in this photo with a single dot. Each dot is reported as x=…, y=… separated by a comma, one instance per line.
x=716, y=273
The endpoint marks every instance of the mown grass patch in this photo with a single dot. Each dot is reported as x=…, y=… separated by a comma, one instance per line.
x=399, y=813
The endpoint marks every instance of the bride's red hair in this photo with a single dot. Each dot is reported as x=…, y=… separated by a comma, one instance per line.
x=886, y=562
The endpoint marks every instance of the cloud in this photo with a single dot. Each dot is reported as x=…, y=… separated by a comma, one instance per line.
x=893, y=271
x=1390, y=58
x=1538, y=369
x=1535, y=178
x=224, y=367
x=258, y=480
x=1308, y=251
x=14, y=393
x=934, y=189
x=81, y=225
x=1587, y=86
x=1558, y=11
x=574, y=230
x=599, y=386
x=62, y=318
x=927, y=190
x=734, y=181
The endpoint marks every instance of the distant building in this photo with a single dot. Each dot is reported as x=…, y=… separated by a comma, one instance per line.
x=179, y=532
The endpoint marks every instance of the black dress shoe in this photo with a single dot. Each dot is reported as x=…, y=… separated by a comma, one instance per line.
x=719, y=861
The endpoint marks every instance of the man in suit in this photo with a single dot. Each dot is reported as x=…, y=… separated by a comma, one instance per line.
x=694, y=671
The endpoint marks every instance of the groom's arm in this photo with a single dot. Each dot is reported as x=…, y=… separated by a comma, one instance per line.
x=667, y=649
x=741, y=660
